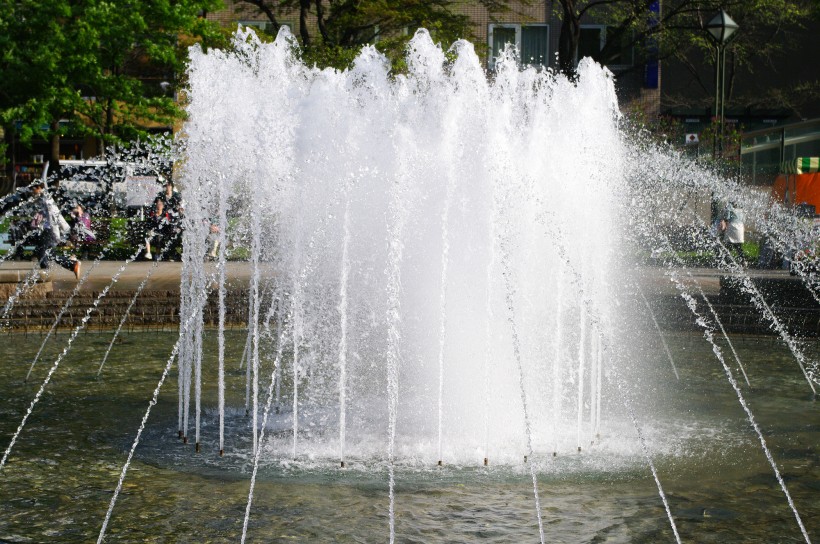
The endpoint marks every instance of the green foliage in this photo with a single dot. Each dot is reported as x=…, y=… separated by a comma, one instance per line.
x=660, y=129
x=751, y=250
x=680, y=31
x=346, y=25
x=121, y=246
x=97, y=63
x=329, y=56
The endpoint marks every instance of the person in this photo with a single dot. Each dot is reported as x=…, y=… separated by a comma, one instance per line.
x=170, y=198
x=81, y=231
x=172, y=202
x=732, y=227
x=213, y=240
x=52, y=228
x=159, y=227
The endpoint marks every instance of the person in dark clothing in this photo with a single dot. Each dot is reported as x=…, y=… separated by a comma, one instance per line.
x=172, y=202
x=159, y=227
x=170, y=198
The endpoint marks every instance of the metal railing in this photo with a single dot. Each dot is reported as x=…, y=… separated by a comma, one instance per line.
x=763, y=151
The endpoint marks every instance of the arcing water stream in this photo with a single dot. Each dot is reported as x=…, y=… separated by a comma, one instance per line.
x=450, y=265
x=400, y=179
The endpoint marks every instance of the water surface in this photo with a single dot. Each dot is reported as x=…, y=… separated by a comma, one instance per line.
x=59, y=480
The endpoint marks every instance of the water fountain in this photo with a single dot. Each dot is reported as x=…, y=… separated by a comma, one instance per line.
x=442, y=295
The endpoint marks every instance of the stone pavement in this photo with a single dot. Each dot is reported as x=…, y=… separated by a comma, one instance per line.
x=166, y=277
x=158, y=305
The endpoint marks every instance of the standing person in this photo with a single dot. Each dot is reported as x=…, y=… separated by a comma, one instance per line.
x=732, y=227
x=159, y=226
x=170, y=197
x=172, y=202
x=48, y=220
x=213, y=240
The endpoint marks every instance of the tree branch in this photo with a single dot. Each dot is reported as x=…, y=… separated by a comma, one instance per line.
x=267, y=10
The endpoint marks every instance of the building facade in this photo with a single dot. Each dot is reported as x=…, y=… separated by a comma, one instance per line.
x=533, y=28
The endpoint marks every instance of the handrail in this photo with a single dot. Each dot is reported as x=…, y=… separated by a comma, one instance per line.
x=778, y=128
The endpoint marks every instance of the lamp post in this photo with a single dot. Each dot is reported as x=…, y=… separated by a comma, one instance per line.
x=722, y=29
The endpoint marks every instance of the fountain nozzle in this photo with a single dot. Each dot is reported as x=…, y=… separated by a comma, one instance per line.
x=439, y=462
x=196, y=449
x=579, y=449
x=180, y=433
x=525, y=459
x=184, y=439
x=221, y=453
x=486, y=462
x=342, y=464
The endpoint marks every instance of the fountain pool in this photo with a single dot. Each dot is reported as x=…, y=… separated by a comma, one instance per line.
x=446, y=340
x=57, y=485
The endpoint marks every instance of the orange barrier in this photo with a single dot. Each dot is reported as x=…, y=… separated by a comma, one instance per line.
x=793, y=189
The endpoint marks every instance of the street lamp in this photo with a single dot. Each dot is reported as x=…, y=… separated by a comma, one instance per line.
x=722, y=29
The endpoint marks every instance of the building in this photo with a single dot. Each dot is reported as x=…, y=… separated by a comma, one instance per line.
x=534, y=28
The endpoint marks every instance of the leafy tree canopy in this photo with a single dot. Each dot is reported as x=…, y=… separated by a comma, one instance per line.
x=109, y=68
x=677, y=32
x=332, y=31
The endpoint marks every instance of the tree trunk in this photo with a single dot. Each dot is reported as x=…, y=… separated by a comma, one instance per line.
x=267, y=11
x=108, y=125
x=304, y=8
x=320, y=18
x=569, y=37
x=54, y=160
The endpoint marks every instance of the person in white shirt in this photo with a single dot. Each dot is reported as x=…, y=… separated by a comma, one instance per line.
x=733, y=229
x=53, y=228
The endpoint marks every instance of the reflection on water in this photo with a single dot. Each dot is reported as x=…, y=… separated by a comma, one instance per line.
x=59, y=479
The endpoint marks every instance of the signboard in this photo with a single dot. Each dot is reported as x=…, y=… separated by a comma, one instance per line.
x=692, y=139
x=141, y=190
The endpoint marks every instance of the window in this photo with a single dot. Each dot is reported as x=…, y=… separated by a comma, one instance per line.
x=264, y=26
x=592, y=41
x=530, y=41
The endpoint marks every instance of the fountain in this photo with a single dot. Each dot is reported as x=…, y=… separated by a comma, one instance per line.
x=391, y=212
x=448, y=337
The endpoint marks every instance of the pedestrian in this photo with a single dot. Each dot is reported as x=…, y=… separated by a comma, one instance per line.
x=52, y=229
x=733, y=229
x=213, y=240
x=159, y=227
x=173, y=207
x=81, y=231
x=170, y=197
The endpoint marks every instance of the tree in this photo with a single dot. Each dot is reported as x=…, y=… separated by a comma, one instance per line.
x=109, y=68
x=676, y=30
x=345, y=25
x=768, y=42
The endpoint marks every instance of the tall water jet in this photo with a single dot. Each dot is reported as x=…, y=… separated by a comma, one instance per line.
x=461, y=184
x=441, y=264
x=363, y=210
x=343, y=286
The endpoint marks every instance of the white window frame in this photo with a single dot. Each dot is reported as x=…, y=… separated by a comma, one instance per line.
x=601, y=46
x=263, y=25
x=517, y=27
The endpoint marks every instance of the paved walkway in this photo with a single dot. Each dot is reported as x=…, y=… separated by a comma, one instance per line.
x=658, y=279
x=166, y=277
x=159, y=306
